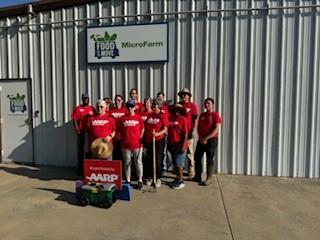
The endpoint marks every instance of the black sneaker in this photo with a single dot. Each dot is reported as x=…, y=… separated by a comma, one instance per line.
x=139, y=186
x=178, y=185
x=173, y=182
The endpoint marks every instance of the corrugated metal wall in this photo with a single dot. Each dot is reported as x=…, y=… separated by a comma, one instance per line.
x=261, y=67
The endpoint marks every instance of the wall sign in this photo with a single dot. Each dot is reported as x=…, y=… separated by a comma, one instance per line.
x=130, y=43
x=17, y=104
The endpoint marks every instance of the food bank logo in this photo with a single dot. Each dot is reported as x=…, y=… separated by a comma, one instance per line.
x=105, y=46
x=17, y=103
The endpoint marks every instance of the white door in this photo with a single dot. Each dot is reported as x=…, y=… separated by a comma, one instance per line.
x=16, y=121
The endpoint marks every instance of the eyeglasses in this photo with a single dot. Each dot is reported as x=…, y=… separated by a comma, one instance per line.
x=118, y=100
x=100, y=106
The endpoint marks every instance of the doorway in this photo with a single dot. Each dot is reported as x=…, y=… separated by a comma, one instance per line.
x=16, y=130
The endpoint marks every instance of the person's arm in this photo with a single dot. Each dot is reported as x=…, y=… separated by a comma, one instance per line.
x=163, y=131
x=194, y=120
x=76, y=127
x=142, y=133
x=212, y=134
x=110, y=136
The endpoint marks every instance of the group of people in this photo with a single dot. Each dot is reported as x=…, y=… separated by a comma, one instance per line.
x=134, y=128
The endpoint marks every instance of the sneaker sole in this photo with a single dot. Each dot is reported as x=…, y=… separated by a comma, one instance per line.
x=178, y=187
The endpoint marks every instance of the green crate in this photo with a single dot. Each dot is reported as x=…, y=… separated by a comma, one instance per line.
x=103, y=195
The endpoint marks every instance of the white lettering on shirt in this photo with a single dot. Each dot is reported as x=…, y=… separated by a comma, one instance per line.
x=117, y=114
x=99, y=122
x=130, y=123
x=153, y=120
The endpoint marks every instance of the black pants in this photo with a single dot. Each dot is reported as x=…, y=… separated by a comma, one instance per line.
x=80, y=144
x=148, y=163
x=210, y=150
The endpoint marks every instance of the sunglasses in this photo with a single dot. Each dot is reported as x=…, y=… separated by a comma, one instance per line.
x=118, y=100
x=100, y=106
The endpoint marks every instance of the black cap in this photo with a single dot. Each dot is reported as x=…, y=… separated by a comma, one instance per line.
x=85, y=95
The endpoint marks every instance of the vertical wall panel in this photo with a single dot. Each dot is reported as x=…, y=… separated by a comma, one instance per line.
x=260, y=66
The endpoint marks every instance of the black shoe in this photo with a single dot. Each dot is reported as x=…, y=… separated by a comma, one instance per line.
x=139, y=186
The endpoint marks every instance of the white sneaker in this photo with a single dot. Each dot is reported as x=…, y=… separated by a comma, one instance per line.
x=149, y=182
x=158, y=183
x=178, y=185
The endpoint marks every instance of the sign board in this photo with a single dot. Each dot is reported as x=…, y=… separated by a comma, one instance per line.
x=129, y=43
x=103, y=171
x=17, y=103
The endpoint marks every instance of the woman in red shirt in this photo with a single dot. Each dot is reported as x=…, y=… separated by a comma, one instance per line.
x=117, y=113
x=208, y=130
x=156, y=125
x=147, y=109
x=178, y=141
x=132, y=130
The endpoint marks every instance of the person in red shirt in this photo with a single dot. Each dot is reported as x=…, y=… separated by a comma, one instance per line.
x=165, y=104
x=178, y=141
x=134, y=96
x=109, y=103
x=101, y=125
x=79, y=116
x=117, y=113
x=192, y=114
x=156, y=125
x=167, y=163
x=147, y=109
x=132, y=130
x=208, y=130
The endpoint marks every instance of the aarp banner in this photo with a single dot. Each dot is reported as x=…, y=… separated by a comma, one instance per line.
x=102, y=171
x=130, y=43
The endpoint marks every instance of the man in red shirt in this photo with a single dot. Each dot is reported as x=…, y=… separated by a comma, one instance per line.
x=208, y=130
x=165, y=104
x=134, y=96
x=192, y=114
x=79, y=116
x=101, y=124
x=132, y=130
x=156, y=125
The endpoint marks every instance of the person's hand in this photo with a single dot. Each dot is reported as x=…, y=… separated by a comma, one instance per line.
x=108, y=138
x=154, y=133
x=78, y=132
x=204, y=140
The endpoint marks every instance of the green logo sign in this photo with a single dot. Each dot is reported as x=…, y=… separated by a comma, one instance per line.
x=17, y=103
x=105, y=46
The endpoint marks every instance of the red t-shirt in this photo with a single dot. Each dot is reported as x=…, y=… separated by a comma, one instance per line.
x=155, y=122
x=117, y=114
x=144, y=115
x=139, y=107
x=177, y=128
x=100, y=126
x=130, y=130
x=165, y=108
x=81, y=114
x=207, y=123
x=192, y=113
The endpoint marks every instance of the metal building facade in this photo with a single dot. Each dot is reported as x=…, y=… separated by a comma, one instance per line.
x=258, y=59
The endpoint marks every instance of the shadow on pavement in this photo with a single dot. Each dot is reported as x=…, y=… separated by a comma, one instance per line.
x=65, y=196
x=41, y=173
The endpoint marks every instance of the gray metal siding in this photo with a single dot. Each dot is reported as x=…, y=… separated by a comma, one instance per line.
x=261, y=67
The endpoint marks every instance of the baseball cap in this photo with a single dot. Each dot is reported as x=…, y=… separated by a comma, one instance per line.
x=130, y=104
x=85, y=95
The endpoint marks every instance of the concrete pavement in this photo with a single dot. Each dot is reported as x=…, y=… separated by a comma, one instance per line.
x=39, y=203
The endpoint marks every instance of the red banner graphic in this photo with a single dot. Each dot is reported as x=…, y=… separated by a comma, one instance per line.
x=103, y=171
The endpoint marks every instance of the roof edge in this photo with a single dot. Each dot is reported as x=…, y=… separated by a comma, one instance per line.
x=45, y=5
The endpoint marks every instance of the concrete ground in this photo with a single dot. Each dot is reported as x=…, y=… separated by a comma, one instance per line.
x=39, y=203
